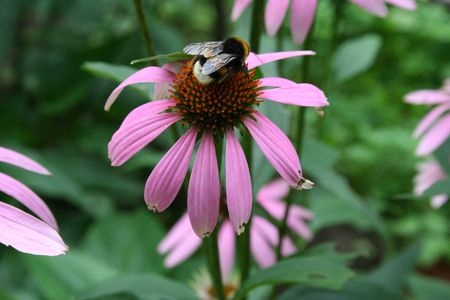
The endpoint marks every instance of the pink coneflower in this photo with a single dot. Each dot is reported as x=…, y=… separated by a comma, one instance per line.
x=19, y=229
x=434, y=128
x=303, y=12
x=210, y=113
x=429, y=173
x=181, y=241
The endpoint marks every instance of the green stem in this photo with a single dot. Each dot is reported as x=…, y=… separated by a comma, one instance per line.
x=144, y=29
x=212, y=255
x=256, y=25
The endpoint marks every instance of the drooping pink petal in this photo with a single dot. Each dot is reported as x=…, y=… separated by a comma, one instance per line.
x=185, y=247
x=276, y=146
x=175, y=234
x=27, y=233
x=429, y=172
x=376, y=7
x=274, y=15
x=276, y=82
x=146, y=75
x=276, y=190
x=238, y=183
x=438, y=200
x=265, y=229
x=134, y=135
x=27, y=197
x=302, y=16
x=430, y=118
x=262, y=251
x=148, y=110
x=238, y=8
x=226, y=242
x=161, y=90
x=17, y=159
x=427, y=97
x=204, y=188
x=288, y=247
x=167, y=177
x=302, y=94
x=406, y=4
x=434, y=137
x=256, y=60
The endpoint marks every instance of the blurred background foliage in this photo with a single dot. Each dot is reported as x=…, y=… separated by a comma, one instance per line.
x=59, y=61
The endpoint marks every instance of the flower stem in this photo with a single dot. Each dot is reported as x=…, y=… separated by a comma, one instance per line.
x=144, y=29
x=212, y=255
x=256, y=25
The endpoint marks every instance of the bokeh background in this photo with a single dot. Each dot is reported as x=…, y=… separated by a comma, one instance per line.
x=59, y=60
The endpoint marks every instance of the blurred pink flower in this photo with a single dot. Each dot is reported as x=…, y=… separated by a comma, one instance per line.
x=181, y=241
x=19, y=229
x=303, y=12
x=211, y=112
x=428, y=174
x=434, y=128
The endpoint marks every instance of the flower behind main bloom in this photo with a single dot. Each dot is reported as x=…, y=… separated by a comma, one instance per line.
x=181, y=242
x=210, y=112
x=19, y=229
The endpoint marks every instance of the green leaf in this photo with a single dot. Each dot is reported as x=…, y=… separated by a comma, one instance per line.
x=144, y=286
x=109, y=71
x=440, y=187
x=355, y=56
x=425, y=288
x=315, y=270
x=166, y=57
x=59, y=277
x=128, y=242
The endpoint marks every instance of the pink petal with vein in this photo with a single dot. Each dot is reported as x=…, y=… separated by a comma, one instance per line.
x=27, y=197
x=276, y=146
x=146, y=75
x=204, y=188
x=427, y=97
x=17, y=159
x=302, y=16
x=406, y=4
x=302, y=94
x=238, y=8
x=238, y=183
x=133, y=135
x=430, y=118
x=167, y=177
x=256, y=60
x=148, y=110
x=434, y=137
x=226, y=241
x=274, y=15
x=376, y=7
x=27, y=233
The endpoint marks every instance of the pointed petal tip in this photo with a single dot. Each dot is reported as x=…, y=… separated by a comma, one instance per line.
x=304, y=184
x=240, y=229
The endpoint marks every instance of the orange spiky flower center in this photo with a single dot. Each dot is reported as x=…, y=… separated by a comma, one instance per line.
x=215, y=106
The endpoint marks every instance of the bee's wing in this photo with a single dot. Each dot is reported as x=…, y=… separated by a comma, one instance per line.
x=207, y=49
x=216, y=62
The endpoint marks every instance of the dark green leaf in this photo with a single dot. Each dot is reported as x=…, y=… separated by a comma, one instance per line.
x=426, y=288
x=440, y=187
x=109, y=71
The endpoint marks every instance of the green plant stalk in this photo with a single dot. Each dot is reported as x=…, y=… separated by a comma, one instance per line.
x=212, y=256
x=144, y=29
x=256, y=25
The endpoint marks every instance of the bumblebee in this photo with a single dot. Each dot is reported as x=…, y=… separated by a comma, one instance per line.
x=216, y=61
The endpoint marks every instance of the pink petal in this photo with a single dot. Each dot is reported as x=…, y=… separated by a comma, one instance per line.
x=265, y=229
x=167, y=177
x=406, y=4
x=430, y=118
x=204, y=188
x=434, y=137
x=302, y=16
x=238, y=183
x=147, y=110
x=438, y=200
x=276, y=82
x=27, y=197
x=146, y=75
x=288, y=247
x=275, y=190
x=162, y=89
x=256, y=60
x=185, y=246
x=274, y=15
x=276, y=147
x=262, y=251
x=427, y=97
x=17, y=159
x=238, y=8
x=134, y=135
x=226, y=242
x=302, y=94
x=376, y=7
x=27, y=233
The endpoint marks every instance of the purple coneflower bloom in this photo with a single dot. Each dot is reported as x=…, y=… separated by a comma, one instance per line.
x=429, y=173
x=303, y=12
x=19, y=229
x=434, y=128
x=210, y=112
x=181, y=241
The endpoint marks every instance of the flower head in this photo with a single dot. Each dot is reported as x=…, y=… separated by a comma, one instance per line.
x=303, y=12
x=429, y=173
x=181, y=242
x=19, y=229
x=211, y=112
